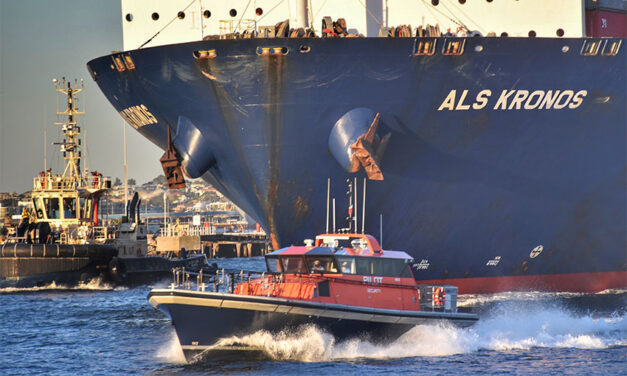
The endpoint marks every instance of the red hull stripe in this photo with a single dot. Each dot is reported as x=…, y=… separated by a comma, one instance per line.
x=572, y=282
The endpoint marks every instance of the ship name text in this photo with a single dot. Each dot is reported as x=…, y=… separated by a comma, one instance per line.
x=138, y=116
x=514, y=100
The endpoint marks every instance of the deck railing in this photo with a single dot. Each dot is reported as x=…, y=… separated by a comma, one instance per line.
x=58, y=182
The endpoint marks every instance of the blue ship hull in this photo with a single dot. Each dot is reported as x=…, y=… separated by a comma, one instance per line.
x=469, y=191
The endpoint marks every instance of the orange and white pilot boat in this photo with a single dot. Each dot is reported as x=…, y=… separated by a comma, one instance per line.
x=343, y=283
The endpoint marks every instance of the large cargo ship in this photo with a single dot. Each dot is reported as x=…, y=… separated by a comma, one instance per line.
x=492, y=134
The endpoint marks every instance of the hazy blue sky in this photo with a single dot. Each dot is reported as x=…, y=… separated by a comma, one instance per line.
x=44, y=39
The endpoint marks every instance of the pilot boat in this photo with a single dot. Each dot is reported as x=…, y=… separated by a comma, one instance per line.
x=344, y=283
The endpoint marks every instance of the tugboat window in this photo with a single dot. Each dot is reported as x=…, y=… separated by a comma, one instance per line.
x=69, y=207
x=39, y=208
x=52, y=207
x=293, y=264
x=86, y=205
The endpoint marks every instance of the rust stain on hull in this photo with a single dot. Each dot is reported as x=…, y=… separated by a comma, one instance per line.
x=275, y=65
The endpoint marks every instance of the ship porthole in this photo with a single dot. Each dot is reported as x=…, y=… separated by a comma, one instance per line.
x=233, y=12
x=305, y=49
x=462, y=1
x=181, y=15
x=435, y=2
x=479, y=48
x=504, y=34
x=532, y=34
x=206, y=14
x=129, y=17
x=560, y=32
x=565, y=49
x=258, y=11
x=155, y=16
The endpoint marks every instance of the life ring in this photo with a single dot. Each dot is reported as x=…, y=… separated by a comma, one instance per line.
x=438, y=295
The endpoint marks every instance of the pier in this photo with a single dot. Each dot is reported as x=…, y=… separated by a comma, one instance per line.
x=211, y=243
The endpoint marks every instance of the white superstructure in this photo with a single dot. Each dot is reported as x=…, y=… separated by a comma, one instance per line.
x=176, y=21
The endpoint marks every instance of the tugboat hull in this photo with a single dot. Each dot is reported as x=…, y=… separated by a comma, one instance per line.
x=134, y=271
x=202, y=318
x=29, y=265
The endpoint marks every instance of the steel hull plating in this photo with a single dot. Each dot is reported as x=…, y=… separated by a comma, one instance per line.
x=468, y=191
x=201, y=319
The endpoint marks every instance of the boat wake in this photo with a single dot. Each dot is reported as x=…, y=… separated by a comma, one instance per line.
x=94, y=284
x=501, y=329
x=473, y=300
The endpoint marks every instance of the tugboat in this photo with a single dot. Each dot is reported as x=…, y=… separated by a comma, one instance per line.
x=344, y=283
x=64, y=241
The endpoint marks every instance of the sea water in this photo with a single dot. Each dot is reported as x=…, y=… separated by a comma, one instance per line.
x=100, y=330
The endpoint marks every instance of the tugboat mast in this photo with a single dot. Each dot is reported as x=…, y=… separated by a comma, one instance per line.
x=71, y=144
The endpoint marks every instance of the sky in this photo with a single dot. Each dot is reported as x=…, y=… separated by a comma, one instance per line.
x=41, y=40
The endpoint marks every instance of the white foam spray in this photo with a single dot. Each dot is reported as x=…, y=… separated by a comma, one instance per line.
x=523, y=329
x=472, y=300
x=171, y=351
x=96, y=284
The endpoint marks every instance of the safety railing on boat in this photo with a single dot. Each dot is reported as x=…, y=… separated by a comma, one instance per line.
x=432, y=297
x=58, y=182
x=222, y=280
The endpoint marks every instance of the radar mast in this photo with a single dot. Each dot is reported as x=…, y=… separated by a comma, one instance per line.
x=71, y=143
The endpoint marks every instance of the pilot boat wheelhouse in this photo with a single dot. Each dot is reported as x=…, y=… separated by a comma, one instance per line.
x=343, y=283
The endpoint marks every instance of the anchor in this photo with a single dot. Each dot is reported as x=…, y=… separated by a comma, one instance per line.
x=172, y=169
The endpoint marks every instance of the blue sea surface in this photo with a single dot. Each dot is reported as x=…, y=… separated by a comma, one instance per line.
x=95, y=329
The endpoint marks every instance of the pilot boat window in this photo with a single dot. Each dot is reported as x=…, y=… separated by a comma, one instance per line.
x=52, y=207
x=382, y=267
x=69, y=207
x=347, y=264
x=293, y=264
x=321, y=264
x=273, y=264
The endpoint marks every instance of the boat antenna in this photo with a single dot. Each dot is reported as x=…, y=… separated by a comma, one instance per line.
x=125, y=174
x=349, y=219
x=334, y=215
x=45, y=147
x=363, y=209
x=328, y=195
x=381, y=230
x=355, y=214
x=71, y=143
x=165, y=213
